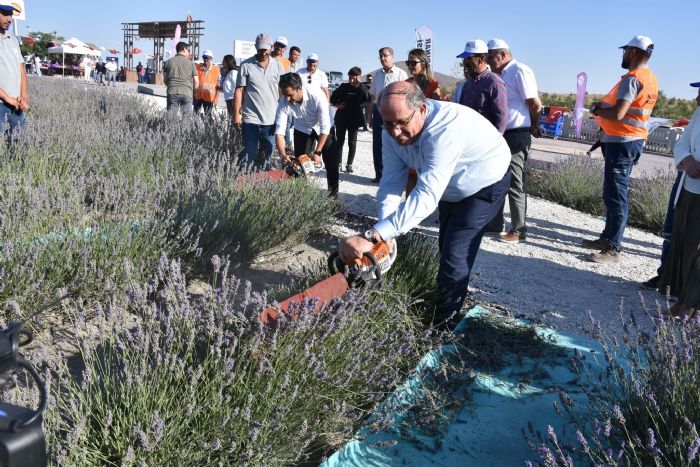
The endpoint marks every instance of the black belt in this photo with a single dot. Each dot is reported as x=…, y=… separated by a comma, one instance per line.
x=517, y=130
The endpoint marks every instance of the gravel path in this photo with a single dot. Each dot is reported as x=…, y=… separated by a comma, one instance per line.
x=547, y=278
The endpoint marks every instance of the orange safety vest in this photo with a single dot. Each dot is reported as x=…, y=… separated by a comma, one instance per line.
x=208, y=80
x=634, y=123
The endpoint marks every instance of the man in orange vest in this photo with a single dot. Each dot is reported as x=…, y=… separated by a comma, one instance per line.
x=623, y=115
x=206, y=94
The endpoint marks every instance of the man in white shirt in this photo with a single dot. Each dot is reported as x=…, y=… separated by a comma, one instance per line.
x=387, y=74
x=524, y=108
x=312, y=76
x=309, y=108
x=462, y=164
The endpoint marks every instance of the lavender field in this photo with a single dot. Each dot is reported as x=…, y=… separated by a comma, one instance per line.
x=118, y=207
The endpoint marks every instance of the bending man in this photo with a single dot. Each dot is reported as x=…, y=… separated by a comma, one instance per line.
x=462, y=164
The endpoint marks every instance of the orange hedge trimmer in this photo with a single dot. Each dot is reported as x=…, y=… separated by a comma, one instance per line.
x=367, y=271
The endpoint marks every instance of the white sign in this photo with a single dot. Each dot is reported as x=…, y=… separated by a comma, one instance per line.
x=424, y=41
x=19, y=5
x=243, y=50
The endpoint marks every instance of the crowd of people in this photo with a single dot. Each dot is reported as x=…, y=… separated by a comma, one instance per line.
x=463, y=154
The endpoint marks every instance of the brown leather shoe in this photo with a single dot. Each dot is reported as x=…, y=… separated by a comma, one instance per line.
x=597, y=244
x=512, y=237
x=606, y=256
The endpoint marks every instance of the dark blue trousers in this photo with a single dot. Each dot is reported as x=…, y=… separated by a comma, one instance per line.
x=619, y=160
x=377, y=127
x=462, y=226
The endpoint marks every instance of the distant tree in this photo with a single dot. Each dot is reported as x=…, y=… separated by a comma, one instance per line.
x=673, y=108
x=42, y=42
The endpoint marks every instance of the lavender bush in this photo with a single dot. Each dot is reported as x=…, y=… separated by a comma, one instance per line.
x=577, y=182
x=200, y=382
x=649, y=199
x=93, y=187
x=643, y=409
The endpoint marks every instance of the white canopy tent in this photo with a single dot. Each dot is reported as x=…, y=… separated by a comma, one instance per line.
x=73, y=46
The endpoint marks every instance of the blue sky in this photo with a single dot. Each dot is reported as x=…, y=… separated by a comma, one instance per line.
x=557, y=39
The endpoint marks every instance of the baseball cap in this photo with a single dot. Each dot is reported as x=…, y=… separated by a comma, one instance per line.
x=695, y=85
x=641, y=42
x=9, y=8
x=498, y=44
x=263, y=41
x=208, y=53
x=282, y=40
x=477, y=46
x=312, y=58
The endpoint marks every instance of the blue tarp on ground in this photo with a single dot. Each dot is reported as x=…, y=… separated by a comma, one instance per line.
x=488, y=431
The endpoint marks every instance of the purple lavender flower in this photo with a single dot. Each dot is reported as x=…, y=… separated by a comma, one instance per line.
x=584, y=442
x=693, y=449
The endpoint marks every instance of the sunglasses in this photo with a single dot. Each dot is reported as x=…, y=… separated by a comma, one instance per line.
x=412, y=62
x=309, y=79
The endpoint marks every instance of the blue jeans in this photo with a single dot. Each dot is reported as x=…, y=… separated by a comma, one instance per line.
x=13, y=118
x=377, y=127
x=619, y=160
x=254, y=135
x=668, y=223
x=462, y=225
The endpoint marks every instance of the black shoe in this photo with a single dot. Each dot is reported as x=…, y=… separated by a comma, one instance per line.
x=348, y=169
x=652, y=283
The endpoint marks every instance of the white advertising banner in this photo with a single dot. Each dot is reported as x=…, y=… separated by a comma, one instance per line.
x=243, y=50
x=425, y=41
x=19, y=5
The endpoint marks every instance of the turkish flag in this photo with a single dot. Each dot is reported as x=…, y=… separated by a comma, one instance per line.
x=136, y=50
x=113, y=51
x=29, y=41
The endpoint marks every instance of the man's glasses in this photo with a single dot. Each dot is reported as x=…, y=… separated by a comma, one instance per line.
x=412, y=62
x=309, y=79
x=390, y=126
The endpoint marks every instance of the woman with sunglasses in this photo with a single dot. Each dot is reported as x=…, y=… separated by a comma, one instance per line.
x=419, y=69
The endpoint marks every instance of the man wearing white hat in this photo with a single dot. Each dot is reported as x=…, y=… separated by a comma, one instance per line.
x=14, y=97
x=207, y=91
x=255, y=101
x=623, y=115
x=277, y=53
x=313, y=76
x=524, y=108
x=483, y=91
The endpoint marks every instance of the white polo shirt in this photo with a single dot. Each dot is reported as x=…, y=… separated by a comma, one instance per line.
x=318, y=79
x=520, y=85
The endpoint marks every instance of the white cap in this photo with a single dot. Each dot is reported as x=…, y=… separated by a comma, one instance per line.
x=498, y=44
x=282, y=40
x=477, y=46
x=641, y=42
x=312, y=57
x=208, y=53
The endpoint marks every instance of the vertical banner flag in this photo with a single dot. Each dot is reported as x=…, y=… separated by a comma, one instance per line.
x=581, y=81
x=424, y=41
x=176, y=39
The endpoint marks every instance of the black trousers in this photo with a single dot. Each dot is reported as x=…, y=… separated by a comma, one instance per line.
x=340, y=129
x=304, y=144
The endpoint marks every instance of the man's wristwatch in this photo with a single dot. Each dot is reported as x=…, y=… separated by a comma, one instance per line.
x=369, y=235
x=318, y=153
